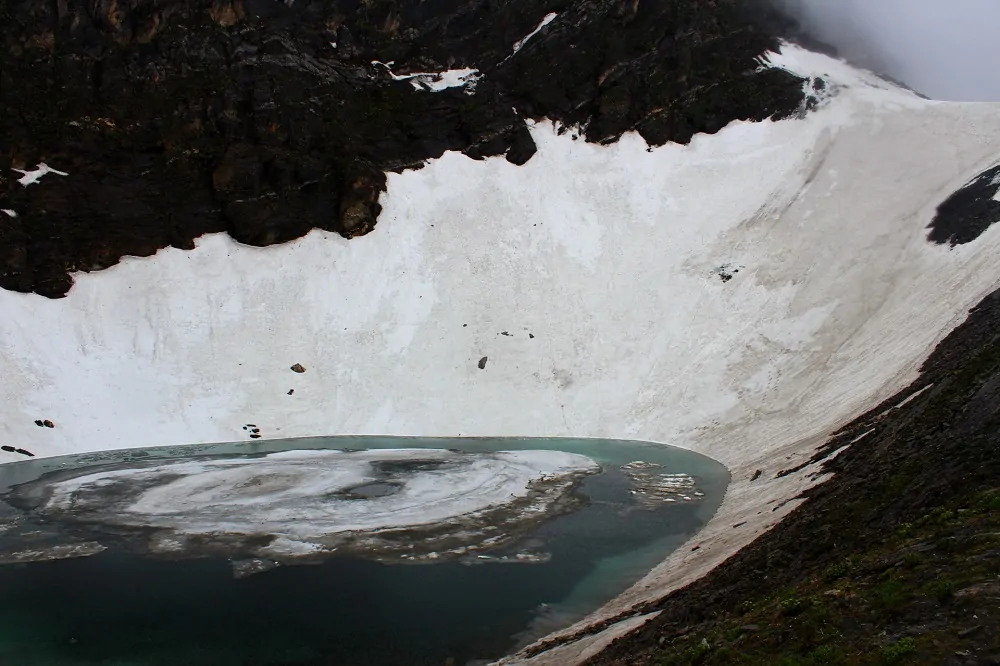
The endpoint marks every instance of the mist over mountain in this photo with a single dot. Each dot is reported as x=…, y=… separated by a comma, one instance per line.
x=945, y=50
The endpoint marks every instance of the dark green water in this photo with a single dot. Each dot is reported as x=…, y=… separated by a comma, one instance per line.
x=118, y=608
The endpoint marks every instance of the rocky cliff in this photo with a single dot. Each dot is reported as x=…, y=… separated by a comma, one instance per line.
x=176, y=118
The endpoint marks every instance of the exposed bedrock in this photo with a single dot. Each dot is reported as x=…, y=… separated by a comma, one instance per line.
x=969, y=211
x=178, y=118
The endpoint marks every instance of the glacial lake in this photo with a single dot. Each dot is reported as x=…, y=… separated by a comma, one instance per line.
x=353, y=551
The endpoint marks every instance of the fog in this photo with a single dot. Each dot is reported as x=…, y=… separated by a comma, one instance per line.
x=945, y=49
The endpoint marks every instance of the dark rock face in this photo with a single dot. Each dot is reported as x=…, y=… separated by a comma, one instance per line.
x=970, y=211
x=176, y=118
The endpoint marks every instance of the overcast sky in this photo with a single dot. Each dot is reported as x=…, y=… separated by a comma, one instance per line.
x=945, y=49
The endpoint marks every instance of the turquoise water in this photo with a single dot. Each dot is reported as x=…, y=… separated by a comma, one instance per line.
x=120, y=607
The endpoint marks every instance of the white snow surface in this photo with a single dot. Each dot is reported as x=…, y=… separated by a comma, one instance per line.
x=436, y=81
x=35, y=176
x=289, y=494
x=518, y=45
x=605, y=254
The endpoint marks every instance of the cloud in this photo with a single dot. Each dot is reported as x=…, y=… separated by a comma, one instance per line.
x=945, y=49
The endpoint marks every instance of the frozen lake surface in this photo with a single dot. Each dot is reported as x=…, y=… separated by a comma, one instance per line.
x=420, y=550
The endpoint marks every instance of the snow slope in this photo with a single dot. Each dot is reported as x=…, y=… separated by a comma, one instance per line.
x=591, y=280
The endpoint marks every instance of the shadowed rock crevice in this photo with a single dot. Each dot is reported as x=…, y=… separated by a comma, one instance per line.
x=265, y=120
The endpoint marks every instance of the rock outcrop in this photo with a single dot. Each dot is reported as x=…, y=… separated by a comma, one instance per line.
x=176, y=118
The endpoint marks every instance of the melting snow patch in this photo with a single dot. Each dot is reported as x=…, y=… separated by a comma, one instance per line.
x=545, y=21
x=862, y=436
x=8, y=212
x=437, y=81
x=32, y=177
x=907, y=399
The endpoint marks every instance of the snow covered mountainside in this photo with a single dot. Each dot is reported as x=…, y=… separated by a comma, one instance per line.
x=742, y=296
x=681, y=231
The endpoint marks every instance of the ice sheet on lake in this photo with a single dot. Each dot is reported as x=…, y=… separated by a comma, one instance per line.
x=310, y=503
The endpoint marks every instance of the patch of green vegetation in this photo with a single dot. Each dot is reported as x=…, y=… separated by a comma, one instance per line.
x=820, y=612
x=826, y=654
x=889, y=595
x=942, y=589
x=898, y=483
x=690, y=655
x=906, y=545
x=988, y=500
x=792, y=606
x=939, y=516
x=838, y=570
x=899, y=651
x=840, y=617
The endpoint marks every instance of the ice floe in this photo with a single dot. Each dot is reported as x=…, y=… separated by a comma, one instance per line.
x=312, y=503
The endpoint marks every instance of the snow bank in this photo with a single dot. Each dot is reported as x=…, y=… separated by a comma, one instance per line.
x=588, y=278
